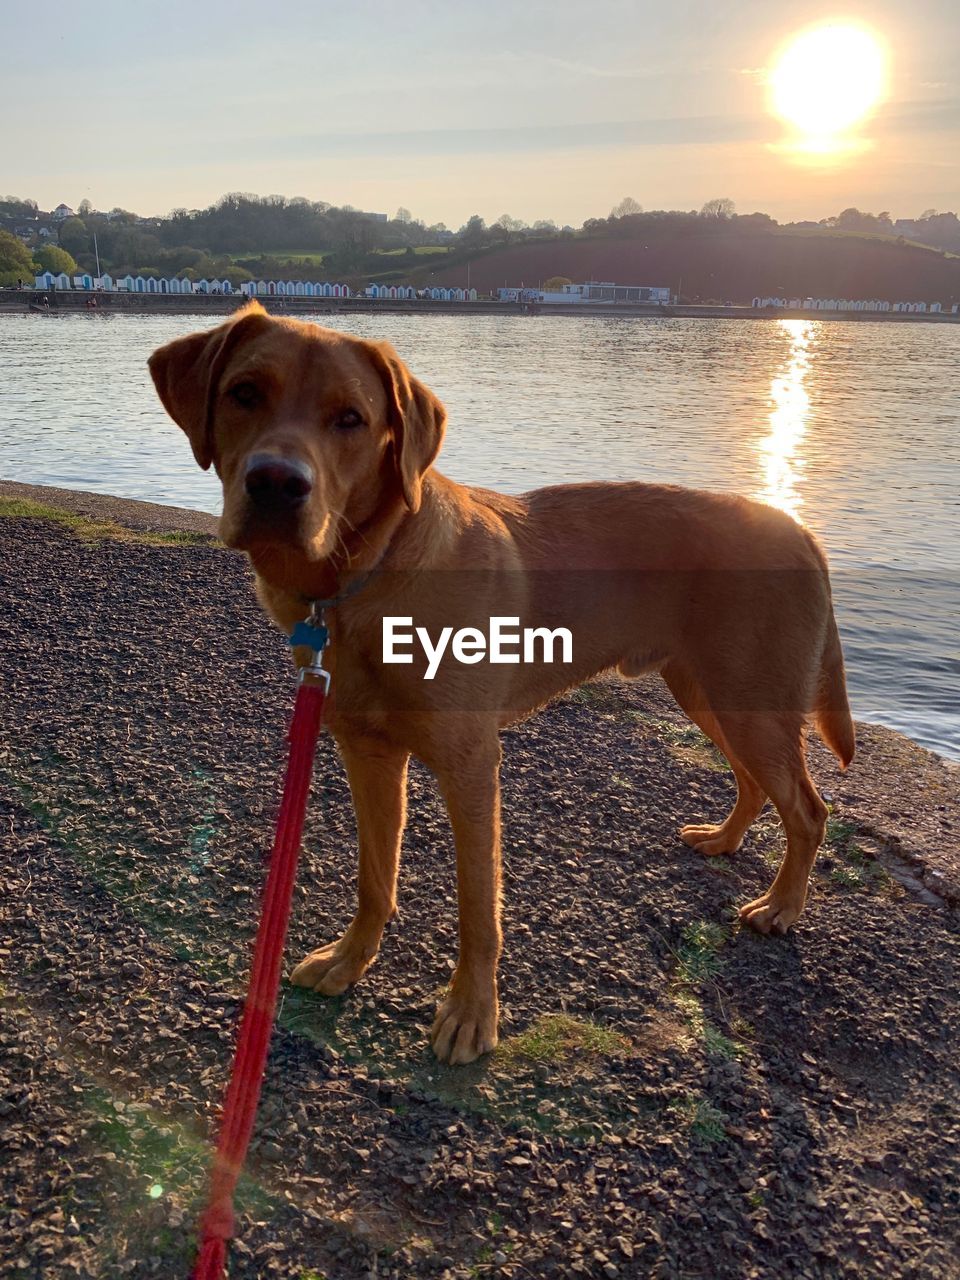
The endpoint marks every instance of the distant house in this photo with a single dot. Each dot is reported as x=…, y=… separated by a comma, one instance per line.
x=591, y=291
x=289, y=289
x=61, y=212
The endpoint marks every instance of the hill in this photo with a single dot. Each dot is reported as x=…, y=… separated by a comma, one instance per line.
x=710, y=268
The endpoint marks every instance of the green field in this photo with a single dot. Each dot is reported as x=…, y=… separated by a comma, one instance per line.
x=307, y=255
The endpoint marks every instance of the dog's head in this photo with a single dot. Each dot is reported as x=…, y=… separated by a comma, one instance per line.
x=313, y=433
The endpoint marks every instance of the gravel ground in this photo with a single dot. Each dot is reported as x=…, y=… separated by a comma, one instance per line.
x=672, y=1097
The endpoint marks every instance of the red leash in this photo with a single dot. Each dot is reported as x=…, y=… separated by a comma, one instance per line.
x=253, y=1041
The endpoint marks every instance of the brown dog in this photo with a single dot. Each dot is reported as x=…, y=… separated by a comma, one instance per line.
x=325, y=444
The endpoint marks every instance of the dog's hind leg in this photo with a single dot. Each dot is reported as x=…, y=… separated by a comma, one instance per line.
x=378, y=778
x=772, y=748
x=727, y=836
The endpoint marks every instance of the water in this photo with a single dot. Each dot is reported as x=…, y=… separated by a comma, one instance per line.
x=855, y=428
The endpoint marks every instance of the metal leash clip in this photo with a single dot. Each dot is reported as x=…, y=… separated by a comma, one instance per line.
x=315, y=636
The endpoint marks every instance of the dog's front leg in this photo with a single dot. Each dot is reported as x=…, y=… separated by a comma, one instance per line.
x=378, y=783
x=466, y=1023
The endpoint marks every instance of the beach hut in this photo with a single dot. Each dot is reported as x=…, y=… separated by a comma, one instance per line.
x=45, y=281
x=105, y=282
x=61, y=281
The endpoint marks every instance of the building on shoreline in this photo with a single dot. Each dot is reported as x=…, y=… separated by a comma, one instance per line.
x=874, y=305
x=106, y=283
x=294, y=289
x=592, y=291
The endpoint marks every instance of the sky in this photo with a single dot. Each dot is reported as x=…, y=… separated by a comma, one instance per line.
x=540, y=110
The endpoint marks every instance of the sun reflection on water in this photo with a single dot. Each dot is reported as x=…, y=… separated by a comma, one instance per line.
x=781, y=463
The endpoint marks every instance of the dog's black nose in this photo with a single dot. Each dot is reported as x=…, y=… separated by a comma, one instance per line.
x=277, y=482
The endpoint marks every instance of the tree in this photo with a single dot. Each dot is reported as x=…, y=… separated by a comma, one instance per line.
x=473, y=233
x=74, y=236
x=403, y=215
x=721, y=207
x=14, y=207
x=556, y=283
x=16, y=262
x=510, y=224
x=545, y=224
x=625, y=208
x=85, y=208
x=52, y=258
x=853, y=219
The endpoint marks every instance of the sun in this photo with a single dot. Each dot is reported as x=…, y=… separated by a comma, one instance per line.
x=827, y=80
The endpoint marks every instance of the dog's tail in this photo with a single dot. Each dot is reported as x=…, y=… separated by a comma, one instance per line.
x=832, y=710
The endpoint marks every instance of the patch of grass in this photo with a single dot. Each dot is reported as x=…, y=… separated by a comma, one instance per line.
x=856, y=870
x=688, y=744
x=707, y=1124
x=721, y=865
x=555, y=1037
x=602, y=697
x=715, y=1043
x=95, y=530
x=698, y=957
x=420, y=251
x=718, y=1045
x=839, y=834
x=281, y=255
x=310, y=1274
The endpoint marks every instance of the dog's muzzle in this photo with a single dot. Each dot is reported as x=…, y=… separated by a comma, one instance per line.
x=277, y=484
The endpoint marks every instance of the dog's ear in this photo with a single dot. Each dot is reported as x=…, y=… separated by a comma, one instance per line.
x=417, y=420
x=186, y=372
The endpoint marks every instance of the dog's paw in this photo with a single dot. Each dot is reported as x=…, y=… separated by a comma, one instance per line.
x=333, y=968
x=465, y=1027
x=773, y=913
x=710, y=840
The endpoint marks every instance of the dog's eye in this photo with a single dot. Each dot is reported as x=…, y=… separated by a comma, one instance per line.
x=245, y=394
x=348, y=419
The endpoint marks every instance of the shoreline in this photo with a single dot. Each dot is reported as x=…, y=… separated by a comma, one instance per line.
x=73, y=302
x=154, y=517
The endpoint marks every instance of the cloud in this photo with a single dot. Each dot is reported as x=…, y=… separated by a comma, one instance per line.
x=673, y=131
